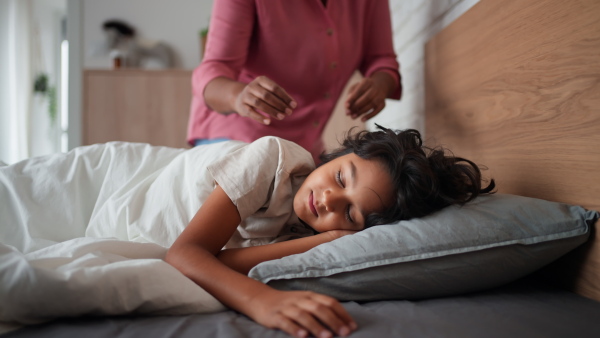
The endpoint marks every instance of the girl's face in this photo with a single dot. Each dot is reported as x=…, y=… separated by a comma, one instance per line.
x=340, y=194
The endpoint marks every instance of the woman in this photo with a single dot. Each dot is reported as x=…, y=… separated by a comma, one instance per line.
x=278, y=68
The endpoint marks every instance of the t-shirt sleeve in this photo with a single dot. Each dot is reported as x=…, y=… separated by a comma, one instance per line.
x=252, y=175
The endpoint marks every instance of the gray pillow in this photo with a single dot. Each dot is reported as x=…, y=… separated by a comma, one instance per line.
x=491, y=241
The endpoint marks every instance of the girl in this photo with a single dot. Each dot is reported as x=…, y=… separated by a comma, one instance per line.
x=374, y=178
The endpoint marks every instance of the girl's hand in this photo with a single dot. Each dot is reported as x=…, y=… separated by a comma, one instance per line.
x=264, y=95
x=300, y=313
x=335, y=234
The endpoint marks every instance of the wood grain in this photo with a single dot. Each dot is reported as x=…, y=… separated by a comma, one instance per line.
x=515, y=85
x=150, y=106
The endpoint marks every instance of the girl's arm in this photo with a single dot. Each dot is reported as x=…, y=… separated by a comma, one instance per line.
x=295, y=312
x=244, y=259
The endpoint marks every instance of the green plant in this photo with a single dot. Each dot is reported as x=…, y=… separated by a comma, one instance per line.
x=41, y=86
x=203, y=32
x=52, y=103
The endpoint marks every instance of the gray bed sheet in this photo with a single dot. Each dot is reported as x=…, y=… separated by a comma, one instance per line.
x=521, y=309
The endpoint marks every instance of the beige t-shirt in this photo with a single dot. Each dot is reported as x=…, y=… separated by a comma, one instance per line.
x=150, y=194
x=261, y=179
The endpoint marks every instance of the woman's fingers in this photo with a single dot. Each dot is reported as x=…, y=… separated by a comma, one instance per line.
x=263, y=99
x=377, y=108
x=357, y=91
x=279, y=94
x=267, y=102
x=365, y=100
x=249, y=111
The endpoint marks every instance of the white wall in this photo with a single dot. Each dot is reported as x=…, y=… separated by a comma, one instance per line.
x=176, y=22
x=414, y=22
x=5, y=142
x=47, y=16
x=29, y=41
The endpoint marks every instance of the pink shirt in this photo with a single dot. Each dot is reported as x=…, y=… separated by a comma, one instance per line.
x=308, y=49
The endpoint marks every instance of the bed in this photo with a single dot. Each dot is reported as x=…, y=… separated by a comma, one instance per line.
x=514, y=85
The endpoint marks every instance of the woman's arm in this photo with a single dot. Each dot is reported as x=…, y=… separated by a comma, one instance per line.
x=227, y=96
x=228, y=44
x=295, y=312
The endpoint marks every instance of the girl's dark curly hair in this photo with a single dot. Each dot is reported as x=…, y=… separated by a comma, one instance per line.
x=425, y=179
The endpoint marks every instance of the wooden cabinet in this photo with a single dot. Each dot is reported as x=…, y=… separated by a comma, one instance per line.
x=150, y=106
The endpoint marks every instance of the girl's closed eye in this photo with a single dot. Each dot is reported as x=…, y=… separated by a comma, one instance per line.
x=340, y=181
x=348, y=216
x=338, y=178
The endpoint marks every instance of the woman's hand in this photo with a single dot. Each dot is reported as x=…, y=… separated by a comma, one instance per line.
x=366, y=98
x=300, y=313
x=263, y=95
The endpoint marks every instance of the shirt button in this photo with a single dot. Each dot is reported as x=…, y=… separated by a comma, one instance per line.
x=330, y=31
x=327, y=95
x=333, y=65
x=316, y=123
x=294, y=230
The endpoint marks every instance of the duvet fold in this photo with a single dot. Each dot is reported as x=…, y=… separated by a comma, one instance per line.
x=67, y=250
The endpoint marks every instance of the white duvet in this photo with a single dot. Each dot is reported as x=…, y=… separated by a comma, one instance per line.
x=85, y=232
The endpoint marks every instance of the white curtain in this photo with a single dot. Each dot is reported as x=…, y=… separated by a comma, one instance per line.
x=16, y=82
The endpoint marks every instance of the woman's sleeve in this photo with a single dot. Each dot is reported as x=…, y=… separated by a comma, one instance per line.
x=378, y=44
x=229, y=34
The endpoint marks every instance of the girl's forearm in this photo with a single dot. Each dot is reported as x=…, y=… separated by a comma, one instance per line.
x=194, y=252
x=232, y=288
x=244, y=259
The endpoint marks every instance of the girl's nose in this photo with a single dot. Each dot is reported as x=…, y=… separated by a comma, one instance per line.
x=331, y=200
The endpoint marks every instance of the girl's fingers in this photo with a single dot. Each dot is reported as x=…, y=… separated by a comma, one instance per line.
x=308, y=321
x=338, y=311
x=301, y=313
x=290, y=327
x=323, y=310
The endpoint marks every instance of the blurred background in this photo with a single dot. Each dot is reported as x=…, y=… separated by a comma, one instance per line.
x=68, y=80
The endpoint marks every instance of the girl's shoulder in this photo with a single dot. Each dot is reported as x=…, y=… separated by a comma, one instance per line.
x=289, y=156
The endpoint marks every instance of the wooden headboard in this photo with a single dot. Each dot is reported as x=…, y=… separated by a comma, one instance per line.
x=515, y=85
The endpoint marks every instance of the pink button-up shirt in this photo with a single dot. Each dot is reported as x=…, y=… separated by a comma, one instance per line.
x=308, y=49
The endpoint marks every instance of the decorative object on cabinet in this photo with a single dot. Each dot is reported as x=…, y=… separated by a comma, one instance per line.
x=128, y=50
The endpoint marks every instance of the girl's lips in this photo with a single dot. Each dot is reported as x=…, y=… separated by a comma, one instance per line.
x=312, y=205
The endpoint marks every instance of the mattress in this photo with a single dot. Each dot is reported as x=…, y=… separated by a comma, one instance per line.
x=526, y=308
